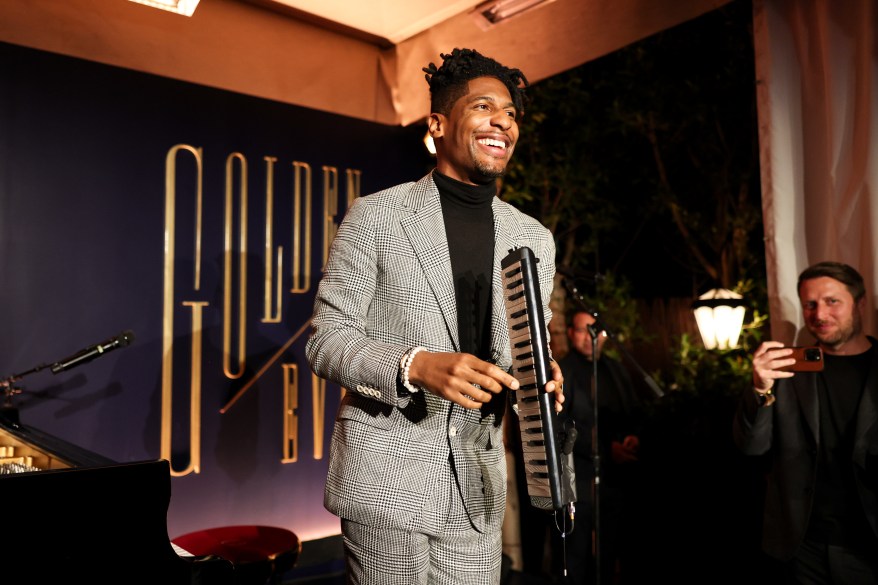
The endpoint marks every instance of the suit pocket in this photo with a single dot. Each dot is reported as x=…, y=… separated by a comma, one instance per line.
x=367, y=411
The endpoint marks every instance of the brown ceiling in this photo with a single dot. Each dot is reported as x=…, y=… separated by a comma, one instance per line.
x=324, y=54
x=384, y=22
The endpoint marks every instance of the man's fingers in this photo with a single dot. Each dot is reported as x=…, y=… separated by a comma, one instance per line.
x=495, y=380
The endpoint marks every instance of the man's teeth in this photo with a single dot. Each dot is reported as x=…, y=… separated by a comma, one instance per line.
x=492, y=142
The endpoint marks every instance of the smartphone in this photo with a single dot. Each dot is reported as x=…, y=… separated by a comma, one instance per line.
x=808, y=359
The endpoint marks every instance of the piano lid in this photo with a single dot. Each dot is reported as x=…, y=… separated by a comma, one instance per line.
x=42, y=450
x=81, y=517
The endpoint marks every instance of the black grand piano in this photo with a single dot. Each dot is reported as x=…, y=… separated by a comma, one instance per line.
x=70, y=515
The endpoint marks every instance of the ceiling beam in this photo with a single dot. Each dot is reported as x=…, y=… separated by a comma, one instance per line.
x=242, y=46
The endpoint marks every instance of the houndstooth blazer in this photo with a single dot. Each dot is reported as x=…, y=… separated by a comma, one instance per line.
x=387, y=287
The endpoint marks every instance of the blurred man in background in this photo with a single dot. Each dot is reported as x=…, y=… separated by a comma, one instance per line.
x=620, y=418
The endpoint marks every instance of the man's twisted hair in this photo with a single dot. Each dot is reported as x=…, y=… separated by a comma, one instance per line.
x=449, y=82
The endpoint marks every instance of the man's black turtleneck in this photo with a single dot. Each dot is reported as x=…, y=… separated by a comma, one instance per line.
x=469, y=226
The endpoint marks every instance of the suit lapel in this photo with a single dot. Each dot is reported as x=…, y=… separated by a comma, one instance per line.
x=867, y=415
x=507, y=236
x=425, y=227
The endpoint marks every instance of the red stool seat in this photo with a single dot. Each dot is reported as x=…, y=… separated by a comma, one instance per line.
x=259, y=554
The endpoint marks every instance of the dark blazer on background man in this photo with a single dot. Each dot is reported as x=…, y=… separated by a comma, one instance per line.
x=790, y=429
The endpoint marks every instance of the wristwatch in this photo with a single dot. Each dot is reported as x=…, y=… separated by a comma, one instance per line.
x=764, y=397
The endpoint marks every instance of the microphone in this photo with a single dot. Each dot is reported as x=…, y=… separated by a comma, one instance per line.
x=574, y=292
x=95, y=351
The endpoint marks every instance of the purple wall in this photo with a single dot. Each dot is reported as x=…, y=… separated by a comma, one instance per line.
x=82, y=248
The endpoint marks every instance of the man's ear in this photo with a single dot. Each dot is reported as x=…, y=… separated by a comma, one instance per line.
x=436, y=125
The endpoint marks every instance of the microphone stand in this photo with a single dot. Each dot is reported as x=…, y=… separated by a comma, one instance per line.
x=595, y=455
x=594, y=330
x=600, y=325
x=8, y=410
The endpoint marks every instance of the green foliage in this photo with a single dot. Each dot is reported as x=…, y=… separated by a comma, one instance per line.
x=648, y=157
x=644, y=164
x=611, y=298
x=554, y=174
x=696, y=369
x=702, y=389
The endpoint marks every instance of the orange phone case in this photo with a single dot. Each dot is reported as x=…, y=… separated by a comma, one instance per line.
x=808, y=359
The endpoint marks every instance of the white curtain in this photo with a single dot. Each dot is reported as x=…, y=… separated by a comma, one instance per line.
x=818, y=134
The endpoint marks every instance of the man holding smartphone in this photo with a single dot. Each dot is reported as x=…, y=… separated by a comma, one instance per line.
x=821, y=430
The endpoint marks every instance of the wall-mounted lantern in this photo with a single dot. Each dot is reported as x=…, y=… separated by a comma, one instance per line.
x=720, y=316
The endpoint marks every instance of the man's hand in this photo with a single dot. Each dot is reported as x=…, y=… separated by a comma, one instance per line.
x=625, y=451
x=459, y=377
x=556, y=384
x=766, y=360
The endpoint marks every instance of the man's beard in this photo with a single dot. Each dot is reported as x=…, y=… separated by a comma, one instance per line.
x=843, y=334
x=489, y=172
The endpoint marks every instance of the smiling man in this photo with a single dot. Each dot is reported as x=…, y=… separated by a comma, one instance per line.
x=821, y=431
x=409, y=318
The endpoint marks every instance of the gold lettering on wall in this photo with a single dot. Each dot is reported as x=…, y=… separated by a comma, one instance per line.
x=291, y=415
x=272, y=308
x=318, y=409
x=268, y=364
x=196, y=355
x=234, y=289
x=301, y=276
x=330, y=208
x=353, y=184
x=168, y=278
x=228, y=256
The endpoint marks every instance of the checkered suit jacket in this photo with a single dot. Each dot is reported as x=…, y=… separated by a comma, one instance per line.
x=387, y=287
